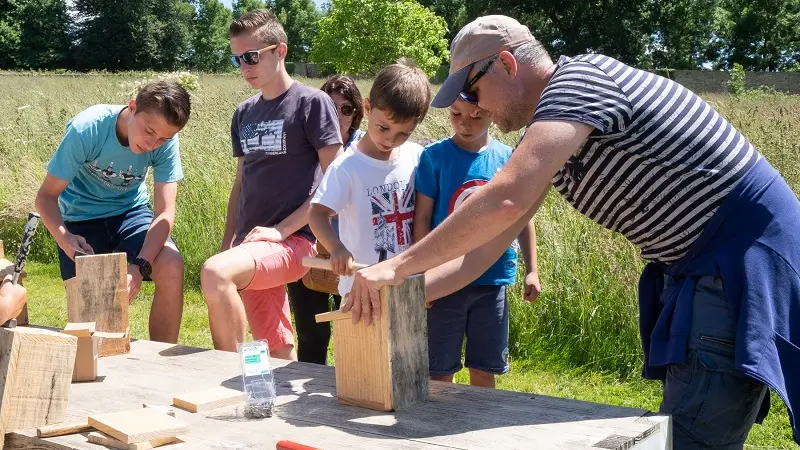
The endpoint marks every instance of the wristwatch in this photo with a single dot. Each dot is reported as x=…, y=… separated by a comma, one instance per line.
x=144, y=267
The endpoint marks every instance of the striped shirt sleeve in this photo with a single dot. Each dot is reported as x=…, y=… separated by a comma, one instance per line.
x=581, y=92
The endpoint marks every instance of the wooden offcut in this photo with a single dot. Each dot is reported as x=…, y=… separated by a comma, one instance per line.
x=99, y=438
x=138, y=425
x=7, y=268
x=35, y=375
x=99, y=293
x=64, y=428
x=209, y=399
x=384, y=366
x=86, y=357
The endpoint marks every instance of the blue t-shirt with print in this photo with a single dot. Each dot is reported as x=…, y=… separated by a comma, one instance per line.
x=105, y=178
x=449, y=174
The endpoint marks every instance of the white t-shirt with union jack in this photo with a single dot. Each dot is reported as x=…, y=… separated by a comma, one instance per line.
x=375, y=203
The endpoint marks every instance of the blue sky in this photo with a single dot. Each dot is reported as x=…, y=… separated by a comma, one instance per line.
x=228, y=3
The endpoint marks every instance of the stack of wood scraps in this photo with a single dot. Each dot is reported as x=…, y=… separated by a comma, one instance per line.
x=136, y=429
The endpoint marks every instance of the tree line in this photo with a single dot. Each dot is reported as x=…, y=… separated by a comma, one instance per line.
x=359, y=35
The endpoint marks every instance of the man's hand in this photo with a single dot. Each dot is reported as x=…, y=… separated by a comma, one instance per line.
x=261, y=234
x=342, y=261
x=364, y=299
x=532, y=286
x=12, y=299
x=71, y=243
x=134, y=281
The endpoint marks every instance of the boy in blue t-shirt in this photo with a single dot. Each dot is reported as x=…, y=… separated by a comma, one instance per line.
x=94, y=200
x=449, y=171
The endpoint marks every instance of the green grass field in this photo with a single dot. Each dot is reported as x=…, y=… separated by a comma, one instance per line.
x=579, y=340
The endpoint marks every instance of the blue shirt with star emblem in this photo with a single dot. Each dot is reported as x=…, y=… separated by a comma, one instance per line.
x=106, y=178
x=448, y=174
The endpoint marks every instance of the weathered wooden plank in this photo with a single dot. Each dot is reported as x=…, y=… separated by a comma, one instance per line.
x=407, y=332
x=99, y=293
x=35, y=375
x=138, y=425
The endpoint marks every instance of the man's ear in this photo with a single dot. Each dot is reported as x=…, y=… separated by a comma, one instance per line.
x=507, y=63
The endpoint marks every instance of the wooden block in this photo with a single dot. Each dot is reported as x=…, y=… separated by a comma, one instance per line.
x=61, y=429
x=99, y=293
x=138, y=425
x=35, y=374
x=385, y=366
x=209, y=399
x=333, y=315
x=96, y=437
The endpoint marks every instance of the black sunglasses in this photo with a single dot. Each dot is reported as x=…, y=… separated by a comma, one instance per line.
x=471, y=97
x=250, y=58
x=347, y=109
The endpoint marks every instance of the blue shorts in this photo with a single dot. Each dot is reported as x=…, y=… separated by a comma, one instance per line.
x=122, y=233
x=480, y=313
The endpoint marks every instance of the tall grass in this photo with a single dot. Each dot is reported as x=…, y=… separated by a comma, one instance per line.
x=587, y=314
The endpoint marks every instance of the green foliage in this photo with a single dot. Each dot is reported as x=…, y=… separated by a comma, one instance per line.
x=210, y=41
x=736, y=83
x=133, y=35
x=242, y=6
x=299, y=19
x=364, y=35
x=34, y=34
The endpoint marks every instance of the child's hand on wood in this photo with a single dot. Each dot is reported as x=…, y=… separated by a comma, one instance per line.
x=342, y=261
x=532, y=286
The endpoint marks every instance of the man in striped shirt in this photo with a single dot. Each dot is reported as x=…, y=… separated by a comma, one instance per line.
x=645, y=157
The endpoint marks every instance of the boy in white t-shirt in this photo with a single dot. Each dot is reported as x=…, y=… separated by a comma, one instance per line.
x=371, y=185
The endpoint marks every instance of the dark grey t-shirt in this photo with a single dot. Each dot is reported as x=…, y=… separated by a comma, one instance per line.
x=279, y=140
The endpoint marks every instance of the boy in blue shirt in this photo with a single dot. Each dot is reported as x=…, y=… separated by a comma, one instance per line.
x=94, y=200
x=449, y=171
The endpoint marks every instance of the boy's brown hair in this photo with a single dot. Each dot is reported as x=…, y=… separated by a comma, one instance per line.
x=402, y=91
x=262, y=24
x=167, y=99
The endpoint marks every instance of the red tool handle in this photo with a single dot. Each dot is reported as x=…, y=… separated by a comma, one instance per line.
x=289, y=445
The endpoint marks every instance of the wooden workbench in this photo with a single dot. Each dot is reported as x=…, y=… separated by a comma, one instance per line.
x=456, y=416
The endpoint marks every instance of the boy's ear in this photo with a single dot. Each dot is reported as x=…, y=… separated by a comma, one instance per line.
x=132, y=105
x=367, y=106
x=283, y=50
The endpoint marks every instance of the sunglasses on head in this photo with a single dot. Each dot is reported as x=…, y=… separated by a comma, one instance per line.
x=346, y=109
x=250, y=58
x=472, y=97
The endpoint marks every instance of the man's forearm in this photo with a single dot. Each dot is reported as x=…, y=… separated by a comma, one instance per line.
x=157, y=235
x=456, y=274
x=52, y=219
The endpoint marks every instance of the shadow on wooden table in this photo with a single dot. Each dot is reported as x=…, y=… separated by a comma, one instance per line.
x=307, y=398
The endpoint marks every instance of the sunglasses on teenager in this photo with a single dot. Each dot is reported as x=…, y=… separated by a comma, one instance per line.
x=346, y=109
x=250, y=58
x=472, y=97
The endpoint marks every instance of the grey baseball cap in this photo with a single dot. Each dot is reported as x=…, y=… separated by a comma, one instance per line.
x=483, y=37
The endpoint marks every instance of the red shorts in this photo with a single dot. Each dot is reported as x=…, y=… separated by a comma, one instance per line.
x=265, y=300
